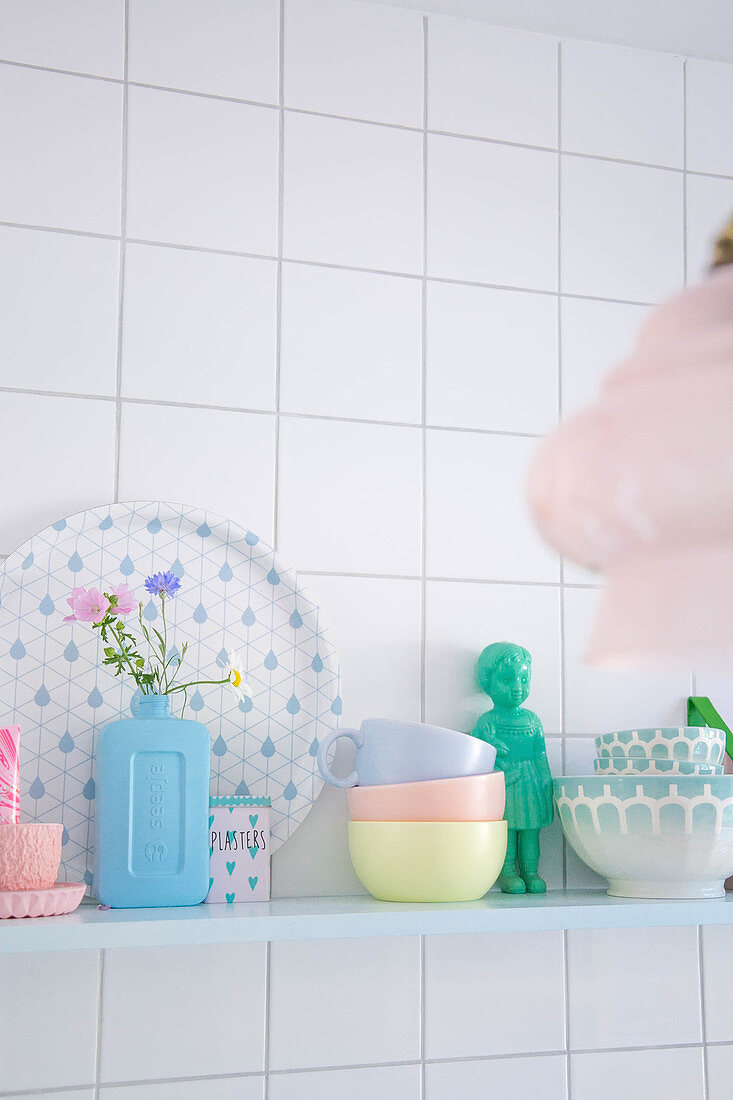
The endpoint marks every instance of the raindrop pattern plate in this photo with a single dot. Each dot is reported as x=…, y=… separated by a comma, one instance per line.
x=235, y=594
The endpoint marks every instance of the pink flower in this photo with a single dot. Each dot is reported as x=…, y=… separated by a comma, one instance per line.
x=88, y=607
x=126, y=601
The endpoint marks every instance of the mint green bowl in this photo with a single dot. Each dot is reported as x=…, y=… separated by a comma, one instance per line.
x=696, y=744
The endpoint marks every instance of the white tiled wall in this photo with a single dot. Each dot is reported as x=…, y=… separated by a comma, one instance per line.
x=332, y=270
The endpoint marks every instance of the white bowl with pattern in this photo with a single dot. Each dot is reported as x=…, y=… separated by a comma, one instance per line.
x=651, y=836
x=634, y=765
x=696, y=744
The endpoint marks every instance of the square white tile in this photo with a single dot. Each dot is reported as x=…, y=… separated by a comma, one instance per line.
x=492, y=213
x=509, y=1078
x=709, y=205
x=720, y=1071
x=235, y=1088
x=709, y=123
x=461, y=619
x=478, y=523
x=633, y=990
x=491, y=82
x=622, y=103
x=199, y=327
x=61, y=138
x=621, y=230
x=68, y=1094
x=202, y=172
x=353, y=194
x=638, y=1075
x=48, y=1019
x=223, y=47
x=387, y=1082
x=349, y=497
x=58, y=311
x=223, y=461
x=477, y=998
x=74, y=439
x=344, y=1002
x=717, y=961
x=85, y=37
x=598, y=700
x=351, y=344
x=360, y=60
x=596, y=336
x=375, y=627
x=491, y=358
x=185, y=1025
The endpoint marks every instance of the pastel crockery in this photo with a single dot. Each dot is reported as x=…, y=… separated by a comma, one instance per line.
x=697, y=744
x=467, y=798
x=634, y=765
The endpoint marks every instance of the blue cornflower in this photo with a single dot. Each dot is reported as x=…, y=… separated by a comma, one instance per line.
x=163, y=584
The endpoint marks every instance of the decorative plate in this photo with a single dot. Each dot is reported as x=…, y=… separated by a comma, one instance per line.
x=235, y=594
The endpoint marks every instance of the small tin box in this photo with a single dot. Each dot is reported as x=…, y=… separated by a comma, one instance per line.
x=239, y=846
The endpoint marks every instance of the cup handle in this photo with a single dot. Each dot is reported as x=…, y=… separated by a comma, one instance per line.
x=357, y=736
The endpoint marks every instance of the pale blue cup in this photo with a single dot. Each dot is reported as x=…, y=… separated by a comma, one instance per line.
x=389, y=751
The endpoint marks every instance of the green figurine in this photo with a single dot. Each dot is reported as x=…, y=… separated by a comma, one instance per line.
x=504, y=673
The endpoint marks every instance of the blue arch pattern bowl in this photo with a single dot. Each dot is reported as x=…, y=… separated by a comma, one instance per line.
x=634, y=765
x=696, y=744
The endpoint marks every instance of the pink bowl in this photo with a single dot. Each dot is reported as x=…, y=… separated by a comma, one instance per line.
x=466, y=798
x=30, y=856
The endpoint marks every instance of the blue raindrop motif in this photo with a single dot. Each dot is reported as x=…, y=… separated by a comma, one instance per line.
x=88, y=878
x=197, y=701
x=59, y=525
x=270, y=662
x=154, y=526
x=292, y=706
x=337, y=706
x=71, y=653
x=268, y=749
x=174, y=651
x=222, y=658
x=177, y=569
x=313, y=750
x=296, y=620
x=225, y=573
x=200, y=615
x=66, y=744
x=251, y=539
x=242, y=790
x=17, y=650
x=94, y=698
x=127, y=567
x=273, y=577
x=64, y=836
x=317, y=663
x=106, y=523
x=89, y=790
x=75, y=563
x=248, y=617
x=246, y=705
x=204, y=530
x=37, y=789
x=27, y=561
x=42, y=697
x=219, y=747
x=47, y=606
x=290, y=791
x=150, y=612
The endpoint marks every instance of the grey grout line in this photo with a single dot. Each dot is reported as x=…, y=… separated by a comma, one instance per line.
x=61, y=229
x=422, y=1018
x=703, y=1017
x=122, y=258
x=561, y=564
x=60, y=72
x=279, y=271
x=685, y=273
x=423, y=385
x=197, y=94
x=100, y=1013
x=268, y=1016
x=566, y=1012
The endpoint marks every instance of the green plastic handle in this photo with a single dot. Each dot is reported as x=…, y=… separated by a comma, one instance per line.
x=701, y=712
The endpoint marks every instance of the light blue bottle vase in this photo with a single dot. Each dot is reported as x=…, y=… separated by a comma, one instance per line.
x=151, y=837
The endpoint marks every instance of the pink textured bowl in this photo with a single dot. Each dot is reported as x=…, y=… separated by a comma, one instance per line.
x=30, y=856
x=466, y=798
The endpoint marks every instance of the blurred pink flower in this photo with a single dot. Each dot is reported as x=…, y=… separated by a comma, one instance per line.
x=126, y=601
x=88, y=607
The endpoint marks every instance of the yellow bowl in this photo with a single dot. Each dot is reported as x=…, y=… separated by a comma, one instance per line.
x=427, y=860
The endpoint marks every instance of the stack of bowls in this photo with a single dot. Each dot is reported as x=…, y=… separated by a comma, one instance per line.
x=426, y=811
x=656, y=819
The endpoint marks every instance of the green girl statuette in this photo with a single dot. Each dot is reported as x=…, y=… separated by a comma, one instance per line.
x=504, y=673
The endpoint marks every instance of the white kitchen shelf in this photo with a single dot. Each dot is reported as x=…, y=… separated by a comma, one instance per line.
x=348, y=917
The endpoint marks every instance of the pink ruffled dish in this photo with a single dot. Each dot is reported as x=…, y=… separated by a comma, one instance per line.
x=62, y=898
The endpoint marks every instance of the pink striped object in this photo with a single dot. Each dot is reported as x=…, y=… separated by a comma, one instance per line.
x=9, y=777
